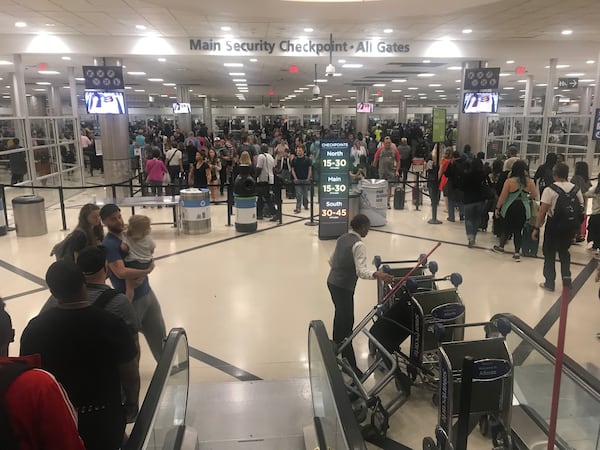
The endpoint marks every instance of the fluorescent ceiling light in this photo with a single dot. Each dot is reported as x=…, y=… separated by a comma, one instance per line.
x=156, y=79
x=141, y=27
x=169, y=84
x=321, y=81
x=413, y=88
x=566, y=32
x=521, y=81
x=236, y=74
x=298, y=91
x=574, y=74
x=508, y=88
x=379, y=85
x=239, y=80
x=388, y=30
x=400, y=80
x=454, y=68
x=467, y=31
x=241, y=84
x=510, y=61
x=587, y=80
x=396, y=90
x=342, y=61
x=504, y=74
x=233, y=64
x=66, y=58
x=161, y=59
x=434, y=85
x=559, y=66
x=79, y=79
x=308, y=30
x=139, y=90
x=542, y=85
x=439, y=90
x=3, y=62
x=426, y=75
x=136, y=73
x=128, y=87
x=351, y=90
x=48, y=72
x=20, y=24
x=253, y=60
x=590, y=61
x=225, y=28
x=43, y=83
x=310, y=85
x=351, y=66
x=338, y=74
x=40, y=90
x=426, y=61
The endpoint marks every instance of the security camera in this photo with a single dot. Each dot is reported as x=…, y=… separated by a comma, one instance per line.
x=329, y=70
x=316, y=91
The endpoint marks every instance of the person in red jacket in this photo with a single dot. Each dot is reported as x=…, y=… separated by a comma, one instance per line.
x=41, y=417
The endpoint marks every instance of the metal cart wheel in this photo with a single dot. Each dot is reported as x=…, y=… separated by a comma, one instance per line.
x=502, y=440
x=429, y=444
x=359, y=407
x=484, y=425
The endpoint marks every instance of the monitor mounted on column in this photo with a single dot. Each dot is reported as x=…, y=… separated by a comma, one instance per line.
x=480, y=102
x=364, y=107
x=182, y=108
x=97, y=102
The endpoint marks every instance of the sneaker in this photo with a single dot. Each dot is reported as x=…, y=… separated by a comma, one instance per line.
x=498, y=249
x=516, y=257
x=306, y=207
x=450, y=220
x=546, y=288
x=296, y=211
x=597, y=254
x=597, y=335
x=274, y=219
x=471, y=243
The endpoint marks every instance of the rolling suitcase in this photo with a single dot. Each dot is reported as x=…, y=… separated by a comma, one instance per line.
x=399, y=195
x=529, y=246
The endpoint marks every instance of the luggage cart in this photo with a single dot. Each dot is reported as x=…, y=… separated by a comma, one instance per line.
x=488, y=391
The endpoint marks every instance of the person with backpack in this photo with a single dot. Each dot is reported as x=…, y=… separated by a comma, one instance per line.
x=562, y=202
x=543, y=175
x=89, y=231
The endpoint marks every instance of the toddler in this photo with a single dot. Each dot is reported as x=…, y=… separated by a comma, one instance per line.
x=138, y=248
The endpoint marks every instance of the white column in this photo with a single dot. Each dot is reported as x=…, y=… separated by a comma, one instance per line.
x=207, y=114
x=528, y=94
x=326, y=113
x=591, y=143
x=362, y=119
x=548, y=105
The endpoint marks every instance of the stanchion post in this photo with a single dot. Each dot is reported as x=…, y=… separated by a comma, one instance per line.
x=312, y=222
x=131, y=187
x=61, y=197
x=418, y=188
x=114, y=191
x=3, y=198
x=229, y=204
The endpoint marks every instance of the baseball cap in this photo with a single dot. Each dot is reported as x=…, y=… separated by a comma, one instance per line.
x=108, y=209
x=91, y=259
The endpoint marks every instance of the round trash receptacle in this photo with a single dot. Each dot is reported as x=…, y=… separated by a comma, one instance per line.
x=353, y=205
x=3, y=227
x=373, y=201
x=30, y=215
x=195, y=210
x=245, y=213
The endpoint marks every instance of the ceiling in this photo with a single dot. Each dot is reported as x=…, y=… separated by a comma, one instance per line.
x=526, y=32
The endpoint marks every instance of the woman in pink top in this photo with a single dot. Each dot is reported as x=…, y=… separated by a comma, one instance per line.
x=155, y=170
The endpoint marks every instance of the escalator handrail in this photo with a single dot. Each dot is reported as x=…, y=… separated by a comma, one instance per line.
x=581, y=375
x=145, y=418
x=347, y=418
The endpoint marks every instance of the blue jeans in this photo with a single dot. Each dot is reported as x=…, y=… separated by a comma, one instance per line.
x=301, y=187
x=473, y=212
x=452, y=205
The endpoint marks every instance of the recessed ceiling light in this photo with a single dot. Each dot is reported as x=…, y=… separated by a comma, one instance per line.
x=50, y=24
x=253, y=60
x=510, y=61
x=426, y=75
x=566, y=32
x=128, y=87
x=40, y=90
x=521, y=81
x=574, y=74
x=160, y=80
x=169, y=84
x=351, y=90
x=3, y=62
x=298, y=91
x=439, y=90
x=20, y=24
x=239, y=80
x=6, y=96
x=426, y=61
x=233, y=64
x=136, y=73
x=321, y=80
x=236, y=74
x=541, y=84
x=163, y=95
x=241, y=84
x=141, y=27
x=66, y=58
x=308, y=30
x=467, y=31
x=388, y=30
x=505, y=74
x=352, y=66
x=225, y=28
x=508, y=88
x=48, y=72
x=399, y=80
x=434, y=85
x=139, y=90
x=396, y=90
x=43, y=83
x=413, y=88
x=454, y=68
x=379, y=85
x=310, y=85
x=79, y=79
x=561, y=66
x=161, y=59
x=342, y=61
x=587, y=80
x=590, y=61
x=338, y=74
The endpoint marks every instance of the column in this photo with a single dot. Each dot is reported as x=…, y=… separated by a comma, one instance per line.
x=591, y=143
x=114, y=141
x=326, y=113
x=19, y=102
x=207, y=114
x=75, y=113
x=547, y=112
x=471, y=127
x=37, y=105
x=526, y=113
x=586, y=101
x=184, y=121
x=362, y=119
x=402, y=111
x=54, y=101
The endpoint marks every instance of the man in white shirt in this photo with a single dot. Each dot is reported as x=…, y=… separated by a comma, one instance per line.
x=265, y=179
x=558, y=234
x=348, y=263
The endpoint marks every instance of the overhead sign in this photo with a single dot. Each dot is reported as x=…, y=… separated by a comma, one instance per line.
x=104, y=78
x=333, y=188
x=439, y=125
x=568, y=83
x=297, y=47
x=596, y=129
x=482, y=79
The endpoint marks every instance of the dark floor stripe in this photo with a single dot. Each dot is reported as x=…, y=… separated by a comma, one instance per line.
x=23, y=294
x=209, y=244
x=14, y=269
x=223, y=366
x=459, y=244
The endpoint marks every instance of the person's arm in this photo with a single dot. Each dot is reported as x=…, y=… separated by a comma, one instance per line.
x=191, y=174
x=533, y=192
x=376, y=157
x=359, y=253
x=130, y=382
x=293, y=172
x=180, y=161
x=309, y=172
x=259, y=166
x=127, y=273
x=539, y=220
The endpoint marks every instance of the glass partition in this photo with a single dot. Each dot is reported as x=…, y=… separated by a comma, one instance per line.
x=332, y=410
x=161, y=420
x=579, y=406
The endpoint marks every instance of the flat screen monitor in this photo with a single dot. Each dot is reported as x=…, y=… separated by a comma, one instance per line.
x=364, y=107
x=480, y=102
x=182, y=108
x=105, y=102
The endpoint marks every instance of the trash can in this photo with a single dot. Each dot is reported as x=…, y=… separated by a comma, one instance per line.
x=195, y=211
x=373, y=201
x=30, y=215
x=353, y=205
x=3, y=227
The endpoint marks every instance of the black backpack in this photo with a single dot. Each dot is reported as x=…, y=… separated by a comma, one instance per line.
x=105, y=297
x=568, y=212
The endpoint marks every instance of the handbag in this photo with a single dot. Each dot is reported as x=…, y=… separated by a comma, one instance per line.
x=166, y=179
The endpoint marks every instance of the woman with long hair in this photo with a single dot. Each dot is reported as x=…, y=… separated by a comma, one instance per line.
x=214, y=163
x=514, y=206
x=581, y=179
x=89, y=231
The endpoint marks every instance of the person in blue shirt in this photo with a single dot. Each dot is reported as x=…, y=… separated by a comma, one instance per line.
x=145, y=303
